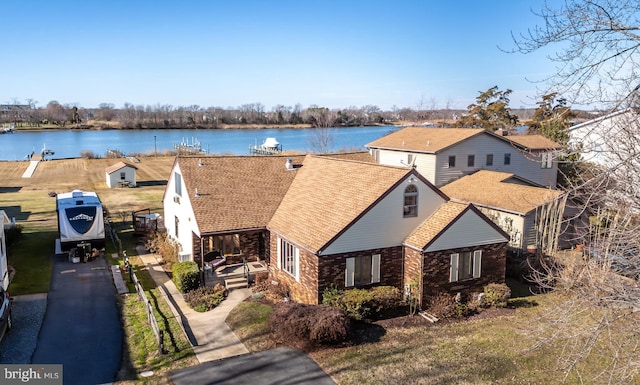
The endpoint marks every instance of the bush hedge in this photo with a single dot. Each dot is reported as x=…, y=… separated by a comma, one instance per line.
x=363, y=304
x=496, y=294
x=186, y=276
x=303, y=326
x=205, y=298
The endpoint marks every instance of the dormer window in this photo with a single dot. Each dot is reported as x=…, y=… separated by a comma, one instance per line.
x=410, y=201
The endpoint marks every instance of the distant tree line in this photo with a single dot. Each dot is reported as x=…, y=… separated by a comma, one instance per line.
x=491, y=111
x=194, y=116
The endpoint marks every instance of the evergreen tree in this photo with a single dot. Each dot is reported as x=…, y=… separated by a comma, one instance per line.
x=491, y=111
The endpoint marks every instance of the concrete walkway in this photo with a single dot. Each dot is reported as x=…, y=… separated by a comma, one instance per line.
x=208, y=332
x=28, y=173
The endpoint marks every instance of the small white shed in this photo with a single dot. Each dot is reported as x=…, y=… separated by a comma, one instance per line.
x=121, y=174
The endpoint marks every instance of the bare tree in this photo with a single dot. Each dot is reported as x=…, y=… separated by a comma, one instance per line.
x=598, y=317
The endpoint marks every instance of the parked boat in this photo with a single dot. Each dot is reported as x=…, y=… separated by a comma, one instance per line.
x=270, y=146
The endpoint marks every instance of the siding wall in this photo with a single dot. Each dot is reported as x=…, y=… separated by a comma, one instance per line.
x=183, y=210
x=512, y=224
x=384, y=225
x=469, y=230
x=424, y=163
x=524, y=165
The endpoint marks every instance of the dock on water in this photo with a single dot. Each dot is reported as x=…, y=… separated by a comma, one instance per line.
x=33, y=164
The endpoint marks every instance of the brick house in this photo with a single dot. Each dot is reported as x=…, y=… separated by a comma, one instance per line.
x=340, y=219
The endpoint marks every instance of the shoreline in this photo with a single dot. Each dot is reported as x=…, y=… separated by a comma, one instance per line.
x=103, y=127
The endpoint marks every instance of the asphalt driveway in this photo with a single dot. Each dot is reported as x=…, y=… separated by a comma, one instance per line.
x=282, y=366
x=81, y=327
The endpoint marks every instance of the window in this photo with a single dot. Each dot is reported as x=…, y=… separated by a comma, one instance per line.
x=123, y=176
x=228, y=244
x=471, y=160
x=410, y=208
x=489, y=159
x=507, y=159
x=288, y=258
x=178, y=183
x=452, y=161
x=362, y=270
x=546, y=160
x=177, y=224
x=465, y=265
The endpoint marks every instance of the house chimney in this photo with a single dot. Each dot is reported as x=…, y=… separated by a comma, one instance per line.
x=289, y=165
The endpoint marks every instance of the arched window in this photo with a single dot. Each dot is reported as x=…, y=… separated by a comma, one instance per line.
x=410, y=201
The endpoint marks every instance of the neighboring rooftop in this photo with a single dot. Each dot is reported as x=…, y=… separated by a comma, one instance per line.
x=432, y=140
x=500, y=190
x=424, y=139
x=118, y=166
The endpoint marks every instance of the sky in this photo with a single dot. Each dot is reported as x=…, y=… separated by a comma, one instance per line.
x=335, y=54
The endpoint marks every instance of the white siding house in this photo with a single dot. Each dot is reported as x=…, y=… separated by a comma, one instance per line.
x=121, y=174
x=509, y=201
x=443, y=155
x=598, y=140
x=388, y=211
x=178, y=213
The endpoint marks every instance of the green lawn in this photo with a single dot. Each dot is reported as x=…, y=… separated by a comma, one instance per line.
x=31, y=259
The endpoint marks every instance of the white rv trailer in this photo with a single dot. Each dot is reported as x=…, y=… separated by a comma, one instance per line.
x=80, y=220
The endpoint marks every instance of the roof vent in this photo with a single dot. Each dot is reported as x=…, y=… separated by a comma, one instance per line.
x=77, y=194
x=196, y=195
x=289, y=164
x=200, y=162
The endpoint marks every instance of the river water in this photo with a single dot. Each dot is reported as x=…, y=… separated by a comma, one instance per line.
x=70, y=143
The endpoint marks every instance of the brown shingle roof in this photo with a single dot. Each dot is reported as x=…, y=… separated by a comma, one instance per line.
x=435, y=224
x=235, y=192
x=327, y=195
x=534, y=142
x=424, y=139
x=499, y=190
x=118, y=166
x=361, y=156
x=432, y=140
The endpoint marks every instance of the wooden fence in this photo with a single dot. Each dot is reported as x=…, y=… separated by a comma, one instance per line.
x=134, y=280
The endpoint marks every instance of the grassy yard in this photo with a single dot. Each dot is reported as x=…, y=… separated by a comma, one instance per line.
x=484, y=351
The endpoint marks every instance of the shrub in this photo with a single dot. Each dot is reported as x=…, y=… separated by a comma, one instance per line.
x=205, y=298
x=186, y=276
x=363, y=304
x=273, y=290
x=303, y=326
x=331, y=295
x=441, y=305
x=12, y=234
x=158, y=243
x=496, y=294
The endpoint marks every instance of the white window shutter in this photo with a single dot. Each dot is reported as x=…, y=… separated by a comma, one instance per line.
x=297, y=262
x=477, y=263
x=279, y=253
x=349, y=274
x=453, y=272
x=375, y=268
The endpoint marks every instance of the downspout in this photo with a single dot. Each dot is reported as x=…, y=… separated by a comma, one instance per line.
x=204, y=283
